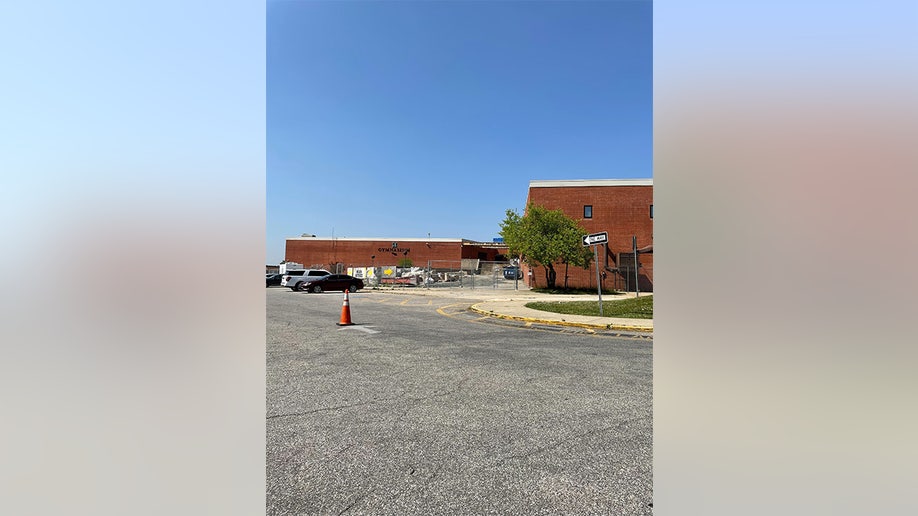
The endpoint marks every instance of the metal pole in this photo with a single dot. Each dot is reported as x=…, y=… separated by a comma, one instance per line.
x=637, y=289
x=598, y=284
x=516, y=277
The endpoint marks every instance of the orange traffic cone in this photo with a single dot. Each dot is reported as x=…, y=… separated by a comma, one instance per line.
x=345, y=312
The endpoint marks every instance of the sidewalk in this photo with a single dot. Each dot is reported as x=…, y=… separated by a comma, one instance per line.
x=515, y=310
x=509, y=304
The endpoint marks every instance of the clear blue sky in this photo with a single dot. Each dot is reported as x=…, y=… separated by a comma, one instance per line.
x=399, y=119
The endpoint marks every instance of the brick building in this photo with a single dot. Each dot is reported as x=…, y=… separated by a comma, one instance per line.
x=341, y=253
x=623, y=208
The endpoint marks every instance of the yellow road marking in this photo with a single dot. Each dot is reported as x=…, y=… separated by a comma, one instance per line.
x=442, y=309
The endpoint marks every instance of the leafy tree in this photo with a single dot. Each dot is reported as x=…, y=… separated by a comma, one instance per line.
x=405, y=263
x=545, y=237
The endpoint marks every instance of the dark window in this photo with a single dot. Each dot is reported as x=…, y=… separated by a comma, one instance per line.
x=588, y=211
x=651, y=211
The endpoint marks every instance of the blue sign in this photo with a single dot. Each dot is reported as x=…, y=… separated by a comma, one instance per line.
x=499, y=240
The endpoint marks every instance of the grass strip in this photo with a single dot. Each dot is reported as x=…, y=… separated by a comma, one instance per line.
x=633, y=308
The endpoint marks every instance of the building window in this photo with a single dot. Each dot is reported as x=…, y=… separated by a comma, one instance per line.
x=651, y=211
x=588, y=211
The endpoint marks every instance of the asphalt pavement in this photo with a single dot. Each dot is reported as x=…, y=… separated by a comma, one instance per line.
x=426, y=407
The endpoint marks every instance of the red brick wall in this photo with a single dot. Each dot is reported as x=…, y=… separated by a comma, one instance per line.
x=356, y=253
x=489, y=253
x=620, y=211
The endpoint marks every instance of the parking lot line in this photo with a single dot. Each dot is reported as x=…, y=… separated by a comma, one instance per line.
x=365, y=329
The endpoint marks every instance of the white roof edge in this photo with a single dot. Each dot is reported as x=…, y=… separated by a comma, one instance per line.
x=539, y=183
x=380, y=239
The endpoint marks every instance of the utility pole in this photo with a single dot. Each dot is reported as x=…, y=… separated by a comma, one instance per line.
x=637, y=288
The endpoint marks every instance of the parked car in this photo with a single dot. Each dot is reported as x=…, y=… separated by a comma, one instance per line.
x=273, y=279
x=513, y=272
x=294, y=279
x=332, y=282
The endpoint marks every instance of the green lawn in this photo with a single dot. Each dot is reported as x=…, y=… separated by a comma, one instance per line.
x=634, y=308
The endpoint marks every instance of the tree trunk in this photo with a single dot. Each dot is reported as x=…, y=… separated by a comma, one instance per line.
x=550, y=275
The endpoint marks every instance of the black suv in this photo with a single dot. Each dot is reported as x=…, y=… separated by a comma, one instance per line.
x=513, y=272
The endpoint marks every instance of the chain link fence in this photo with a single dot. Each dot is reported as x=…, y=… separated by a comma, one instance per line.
x=451, y=274
x=625, y=278
x=478, y=274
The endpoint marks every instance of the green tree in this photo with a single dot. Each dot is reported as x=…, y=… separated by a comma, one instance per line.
x=405, y=263
x=545, y=237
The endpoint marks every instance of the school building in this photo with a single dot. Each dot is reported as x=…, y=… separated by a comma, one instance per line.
x=622, y=208
x=341, y=253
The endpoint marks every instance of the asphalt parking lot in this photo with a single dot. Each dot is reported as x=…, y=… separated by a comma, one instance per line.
x=423, y=408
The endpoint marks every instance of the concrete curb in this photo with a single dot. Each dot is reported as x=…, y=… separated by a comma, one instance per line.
x=610, y=326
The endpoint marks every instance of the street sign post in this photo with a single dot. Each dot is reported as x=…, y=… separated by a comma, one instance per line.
x=594, y=240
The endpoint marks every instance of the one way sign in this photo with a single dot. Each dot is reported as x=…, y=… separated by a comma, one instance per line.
x=595, y=238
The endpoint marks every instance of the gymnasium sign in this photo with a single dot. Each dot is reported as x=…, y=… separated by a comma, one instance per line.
x=393, y=249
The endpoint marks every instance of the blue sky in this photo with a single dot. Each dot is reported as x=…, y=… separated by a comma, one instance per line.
x=407, y=118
